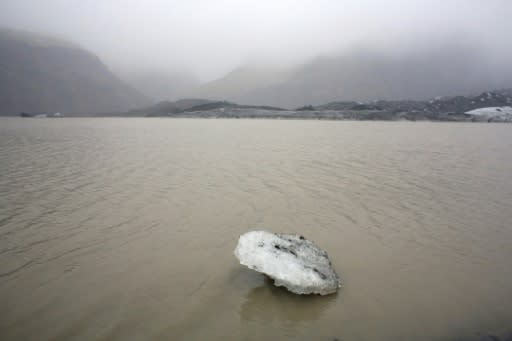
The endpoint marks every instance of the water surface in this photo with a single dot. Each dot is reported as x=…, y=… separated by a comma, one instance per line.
x=123, y=229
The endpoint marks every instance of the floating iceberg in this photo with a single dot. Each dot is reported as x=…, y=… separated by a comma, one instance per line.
x=492, y=113
x=290, y=260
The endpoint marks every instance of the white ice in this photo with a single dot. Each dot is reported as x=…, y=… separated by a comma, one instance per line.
x=291, y=260
x=491, y=111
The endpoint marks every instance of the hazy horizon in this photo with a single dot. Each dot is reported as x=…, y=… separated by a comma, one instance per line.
x=209, y=39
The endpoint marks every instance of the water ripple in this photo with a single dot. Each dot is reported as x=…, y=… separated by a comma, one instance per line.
x=116, y=229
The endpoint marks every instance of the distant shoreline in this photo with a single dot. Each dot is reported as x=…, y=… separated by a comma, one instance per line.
x=269, y=118
x=491, y=106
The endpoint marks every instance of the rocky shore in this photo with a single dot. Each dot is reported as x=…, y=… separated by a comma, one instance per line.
x=493, y=106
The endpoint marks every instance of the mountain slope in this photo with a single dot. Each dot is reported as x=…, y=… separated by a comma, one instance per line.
x=42, y=74
x=366, y=75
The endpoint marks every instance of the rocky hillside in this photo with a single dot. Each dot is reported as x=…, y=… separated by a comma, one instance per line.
x=462, y=104
x=490, y=106
x=39, y=74
x=190, y=107
x=438, y=105
x=165, y=108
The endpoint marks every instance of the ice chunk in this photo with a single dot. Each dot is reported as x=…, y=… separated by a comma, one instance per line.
x=290, y=260
x=492, y=114
x=491, y=111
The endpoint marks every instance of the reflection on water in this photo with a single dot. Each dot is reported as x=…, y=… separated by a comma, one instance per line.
x=267, y=303
x=124, y=229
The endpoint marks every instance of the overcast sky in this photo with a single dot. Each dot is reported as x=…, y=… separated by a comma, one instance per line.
x=211, y=37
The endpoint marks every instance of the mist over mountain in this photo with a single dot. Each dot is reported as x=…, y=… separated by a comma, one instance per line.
x=44, y=74
x=242, y=82
x=367, y=74
x=160, y=85
x=280, y=53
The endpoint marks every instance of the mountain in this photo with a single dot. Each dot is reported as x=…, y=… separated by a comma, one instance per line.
x=366, y=74
x=45, y=74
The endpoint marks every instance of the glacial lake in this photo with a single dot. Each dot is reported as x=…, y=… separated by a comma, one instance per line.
x=124, y=229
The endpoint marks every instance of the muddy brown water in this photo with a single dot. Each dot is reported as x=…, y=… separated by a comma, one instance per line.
x=124, y=229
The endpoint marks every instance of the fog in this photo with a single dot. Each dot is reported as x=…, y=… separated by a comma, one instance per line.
x=210, y=38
